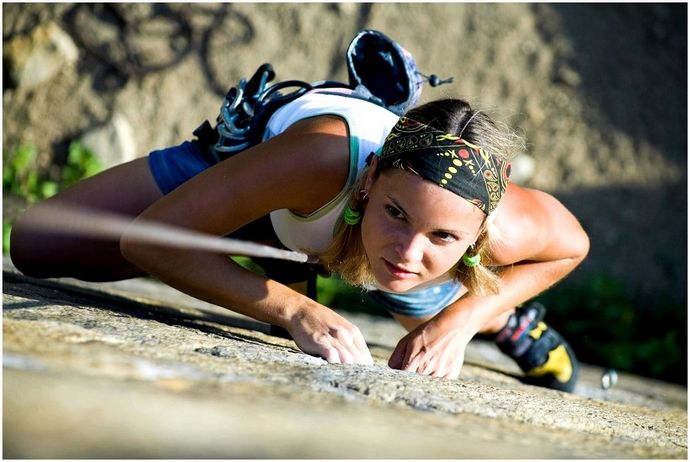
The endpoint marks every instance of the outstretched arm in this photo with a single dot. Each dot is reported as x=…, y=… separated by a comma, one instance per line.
x=539, y=243
x=300, y=170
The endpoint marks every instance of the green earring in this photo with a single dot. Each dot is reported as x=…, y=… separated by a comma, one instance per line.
x=471, y=260
x=350, y=216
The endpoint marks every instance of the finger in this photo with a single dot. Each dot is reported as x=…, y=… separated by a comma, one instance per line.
x=457, y=367
x=330, y=354
x=412, y=361
x=353, y=346
x=415, y=355
x=429, y=367
x=346, y=356
x=396, y=359
x=441, y=370
x=363, y=355
x=366, y=358
x=452, y=372
x=359, y=355
x=361, y=352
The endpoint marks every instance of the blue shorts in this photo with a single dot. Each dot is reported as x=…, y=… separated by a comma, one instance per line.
x=420, y=303
x=173, y=166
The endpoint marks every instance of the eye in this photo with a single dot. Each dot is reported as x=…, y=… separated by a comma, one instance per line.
x=445, y=237
x=394, y=212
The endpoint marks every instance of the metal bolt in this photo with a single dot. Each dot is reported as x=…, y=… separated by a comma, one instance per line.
x=609, y=379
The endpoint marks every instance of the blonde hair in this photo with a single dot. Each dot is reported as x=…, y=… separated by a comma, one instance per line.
x=346, y=255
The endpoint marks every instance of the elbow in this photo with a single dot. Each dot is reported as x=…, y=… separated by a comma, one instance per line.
x=134, y=250
x=129, y=249
x=581, y=247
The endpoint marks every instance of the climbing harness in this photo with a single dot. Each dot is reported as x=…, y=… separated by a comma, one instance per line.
x=379, y=71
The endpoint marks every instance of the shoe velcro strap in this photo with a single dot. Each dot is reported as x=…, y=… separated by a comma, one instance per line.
x=515, y=349
x=538, y=353
x=515, y=342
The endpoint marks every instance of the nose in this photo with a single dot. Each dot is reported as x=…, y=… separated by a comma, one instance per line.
x=410, y=247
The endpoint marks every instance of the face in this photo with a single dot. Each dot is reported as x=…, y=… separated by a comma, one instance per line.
x=414, y=231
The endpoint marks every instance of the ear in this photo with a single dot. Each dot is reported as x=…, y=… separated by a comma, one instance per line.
x=371, y=172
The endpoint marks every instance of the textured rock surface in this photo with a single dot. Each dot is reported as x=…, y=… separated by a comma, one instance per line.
x=36, y=58
x=136, y=369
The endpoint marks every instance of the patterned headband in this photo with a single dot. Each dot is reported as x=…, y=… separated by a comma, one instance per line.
x=447, y=160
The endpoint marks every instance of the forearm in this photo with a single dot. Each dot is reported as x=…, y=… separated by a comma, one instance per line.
x=215, y=278
x=518, y=283
x=219, y=280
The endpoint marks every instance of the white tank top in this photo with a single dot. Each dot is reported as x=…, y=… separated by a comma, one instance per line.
x=368, y=125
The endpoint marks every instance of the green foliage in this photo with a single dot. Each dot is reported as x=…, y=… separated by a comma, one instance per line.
x=248, y=263
x=335, y=293
x=606, y=327
x=21, y=179
x=81, y=163
x=6, y=229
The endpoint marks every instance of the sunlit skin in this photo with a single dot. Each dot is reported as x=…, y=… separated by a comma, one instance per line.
x=414, y=231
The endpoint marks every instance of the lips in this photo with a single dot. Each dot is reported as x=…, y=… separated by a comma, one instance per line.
x=397, y=271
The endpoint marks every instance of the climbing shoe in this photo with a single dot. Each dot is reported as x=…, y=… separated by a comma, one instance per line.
x=542, y=353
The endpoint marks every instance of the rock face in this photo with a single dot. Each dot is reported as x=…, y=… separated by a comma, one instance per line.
x=36, y=58
x=113, y=143
x=138, y=370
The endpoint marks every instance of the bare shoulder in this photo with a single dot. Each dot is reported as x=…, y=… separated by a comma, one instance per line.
x=314, y=154
x=532, y=225
x=301, y=169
